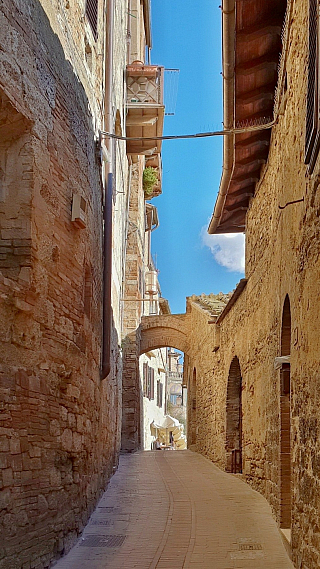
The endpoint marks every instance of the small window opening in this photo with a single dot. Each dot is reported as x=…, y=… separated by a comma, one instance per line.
x=88, y=54
x=92, y=15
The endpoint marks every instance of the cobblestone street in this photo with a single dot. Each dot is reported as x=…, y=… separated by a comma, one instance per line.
x=173, y=510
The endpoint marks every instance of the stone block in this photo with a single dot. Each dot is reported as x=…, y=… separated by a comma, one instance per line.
x=66, y=439
x=72, y=422
x=26, y=476
x=42, y=504
x=34, y=384
x=16, y=463
x=4, y=444
x=25, y=274
x=73, y=391
x=7, y=382
x=3, y=460
x=9, y=521
x=55, y=478
x=24, y=445
x=7, y=477
x=55, y=428
x=5, y=498
x=35, y=463
x=35, y=452
x=77, y=441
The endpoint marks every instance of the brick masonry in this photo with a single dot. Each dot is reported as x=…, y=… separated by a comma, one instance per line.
x=60, y=425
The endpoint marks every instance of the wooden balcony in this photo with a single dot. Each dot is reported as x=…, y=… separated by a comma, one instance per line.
x=145, y=108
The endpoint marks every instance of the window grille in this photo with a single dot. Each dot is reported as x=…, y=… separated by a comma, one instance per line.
x=92, y=15
x=312, y=118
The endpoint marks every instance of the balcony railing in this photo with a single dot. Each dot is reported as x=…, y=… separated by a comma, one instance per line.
x=145, y=108
x=175, y=374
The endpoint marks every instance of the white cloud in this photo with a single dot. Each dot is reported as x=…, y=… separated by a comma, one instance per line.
x=227, y=249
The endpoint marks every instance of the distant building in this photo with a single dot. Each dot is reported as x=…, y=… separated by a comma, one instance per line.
x=176, y=391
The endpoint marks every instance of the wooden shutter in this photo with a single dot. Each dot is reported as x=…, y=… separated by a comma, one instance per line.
x=312, y=119
x=145, y=380
x=161, y=395
x=92, y=15
x=152, y=383
x=149, y=383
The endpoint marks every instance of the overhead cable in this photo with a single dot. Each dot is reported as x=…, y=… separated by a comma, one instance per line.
x=225, y=132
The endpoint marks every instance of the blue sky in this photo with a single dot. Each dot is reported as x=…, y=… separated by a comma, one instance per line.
x=187, y=35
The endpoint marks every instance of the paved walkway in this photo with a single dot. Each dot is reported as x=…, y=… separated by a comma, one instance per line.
x=174, y=510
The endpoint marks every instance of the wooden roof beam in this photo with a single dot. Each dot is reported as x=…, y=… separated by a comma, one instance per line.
x=243, y=188
x=257, y=32
x=234, y=223
x=251, y=138
x=252, y=160
x=237, y=206
x=266, y=92
x=252, y=65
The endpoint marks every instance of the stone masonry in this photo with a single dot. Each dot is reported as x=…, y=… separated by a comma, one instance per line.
x=231, y=365
x=60, y=425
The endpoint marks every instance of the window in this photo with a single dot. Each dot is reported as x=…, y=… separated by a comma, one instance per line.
x=312, y=119
x=145, y=380
x=153, y=307
x=150, y=394
x=159, y=393
x=148, y=381
x=92, y=15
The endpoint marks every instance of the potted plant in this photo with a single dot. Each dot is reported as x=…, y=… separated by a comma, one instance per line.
x=149, y=181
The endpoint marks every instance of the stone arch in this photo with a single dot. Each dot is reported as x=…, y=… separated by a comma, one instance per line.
x=234, y=418
x=154, y=332
x=285, y=420
x=164, y=330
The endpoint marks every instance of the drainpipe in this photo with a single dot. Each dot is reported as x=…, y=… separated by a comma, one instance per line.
x=129, y=31
x=228, y=64
x=107, y=214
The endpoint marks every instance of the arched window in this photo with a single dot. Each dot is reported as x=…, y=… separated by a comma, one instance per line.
x=234, y=419
x=193, y=425
x=285, y=420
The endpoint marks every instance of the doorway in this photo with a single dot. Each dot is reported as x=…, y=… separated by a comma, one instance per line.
x=285, y=421
x=234, y=419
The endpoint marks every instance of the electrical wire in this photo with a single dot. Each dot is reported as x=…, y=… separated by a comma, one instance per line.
x=225, y=132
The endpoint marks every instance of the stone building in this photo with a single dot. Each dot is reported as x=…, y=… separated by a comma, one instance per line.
x=253, y=378
x=176, y=392
x=62, y=276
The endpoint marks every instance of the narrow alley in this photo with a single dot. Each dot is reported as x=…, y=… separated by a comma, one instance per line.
x=176, y=510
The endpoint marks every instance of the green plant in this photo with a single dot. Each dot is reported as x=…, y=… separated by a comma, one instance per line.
x=149, y=180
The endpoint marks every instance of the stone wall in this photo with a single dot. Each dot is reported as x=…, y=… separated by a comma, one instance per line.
x=282, y=266
x=60, y=425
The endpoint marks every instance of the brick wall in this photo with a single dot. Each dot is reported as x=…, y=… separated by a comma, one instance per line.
x=60, y=425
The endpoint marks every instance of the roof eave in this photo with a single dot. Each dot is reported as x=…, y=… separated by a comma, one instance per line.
x=228, y=65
